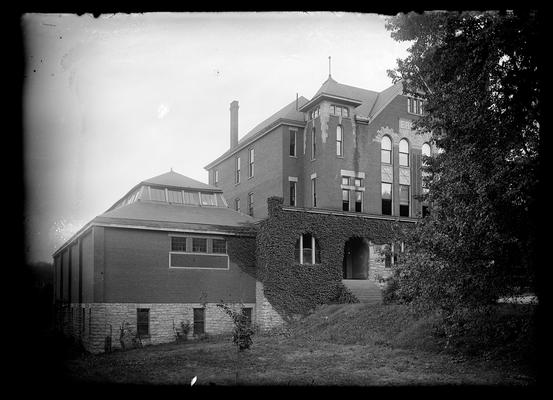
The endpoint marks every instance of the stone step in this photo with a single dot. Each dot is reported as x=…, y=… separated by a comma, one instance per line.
x=364, y=290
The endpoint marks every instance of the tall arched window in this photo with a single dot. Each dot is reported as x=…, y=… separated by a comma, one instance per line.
x=307, y=250
x=426, y=149
x=386, y=150
x=404, y=153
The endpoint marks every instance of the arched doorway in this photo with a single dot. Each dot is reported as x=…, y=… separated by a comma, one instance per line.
x=356, y=259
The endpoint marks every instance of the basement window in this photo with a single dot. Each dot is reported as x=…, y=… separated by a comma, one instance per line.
x=143, y=322
x=199, y=321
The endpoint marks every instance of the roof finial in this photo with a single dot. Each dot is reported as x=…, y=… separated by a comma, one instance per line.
x=171, y=169
x=329, y=66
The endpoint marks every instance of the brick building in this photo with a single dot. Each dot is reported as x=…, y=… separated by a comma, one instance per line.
x=172, y=247
x=161, y=255
x=348, y=151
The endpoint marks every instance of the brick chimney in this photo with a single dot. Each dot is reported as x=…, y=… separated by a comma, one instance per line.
x=233, y=124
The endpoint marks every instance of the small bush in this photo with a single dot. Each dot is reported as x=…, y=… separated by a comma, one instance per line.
x=243, y=331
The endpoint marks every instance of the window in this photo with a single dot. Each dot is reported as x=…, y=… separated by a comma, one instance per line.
x=178, y=243
x=358, y=201
x=313, y=144
x=216, y=177
x=358, y=182
x=339, y=141
x=251, y=164
x=414, y=106
x=425, y=153
x=293, y=193
x=142, y=322
x=247, y=313
x=199, y=245
x=157, y=194
x=219, y=246
x=237, y=178
x=386, y=150
x=314, y=113
x=425, y=149
x=199, y=321
x=425, y=210
x=345, y=200
x=174, y=196
x=339, y=110
x=237, y=204
x=345, y=180
x=404, y=153
x=386, y=198
x=403, y=200
x=314, y=192
x=191, y=198
x=250, y=204
x=209, y=199
x=293, y=143
x=307, y=250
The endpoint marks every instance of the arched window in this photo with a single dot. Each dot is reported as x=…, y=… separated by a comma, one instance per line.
x=307, y=250
x=425, y=149
x=404, y=153
x=386, y=150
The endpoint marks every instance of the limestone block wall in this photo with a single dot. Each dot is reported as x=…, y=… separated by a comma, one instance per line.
x=266, y=316
x=377, y=265
x=91, y=323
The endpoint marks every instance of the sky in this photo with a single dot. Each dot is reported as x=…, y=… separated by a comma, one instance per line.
x=111, y=101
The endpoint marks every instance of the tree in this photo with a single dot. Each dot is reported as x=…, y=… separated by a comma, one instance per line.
x=479, y=74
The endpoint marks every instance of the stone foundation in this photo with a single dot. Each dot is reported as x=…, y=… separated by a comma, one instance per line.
x=266, y=316
x=377, y=266
x=92, y=323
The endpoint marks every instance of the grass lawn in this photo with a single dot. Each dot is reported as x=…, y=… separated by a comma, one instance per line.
x=316, y=351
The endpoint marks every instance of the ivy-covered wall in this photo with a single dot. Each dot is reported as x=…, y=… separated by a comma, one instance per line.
x=292, y=288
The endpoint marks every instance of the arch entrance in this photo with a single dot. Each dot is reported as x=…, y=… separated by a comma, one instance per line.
x=356, y=259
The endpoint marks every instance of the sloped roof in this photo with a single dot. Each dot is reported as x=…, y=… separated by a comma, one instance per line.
x=287, y=113
x=175, y=179
x=382, y=100
x=163, y=213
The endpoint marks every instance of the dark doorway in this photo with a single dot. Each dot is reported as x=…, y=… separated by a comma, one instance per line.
x=356, y=259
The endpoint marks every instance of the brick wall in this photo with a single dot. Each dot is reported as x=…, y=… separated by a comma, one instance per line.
x=137, y=270
x=267, y=179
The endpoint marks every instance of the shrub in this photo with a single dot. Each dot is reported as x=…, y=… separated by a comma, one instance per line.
x=243, y=331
